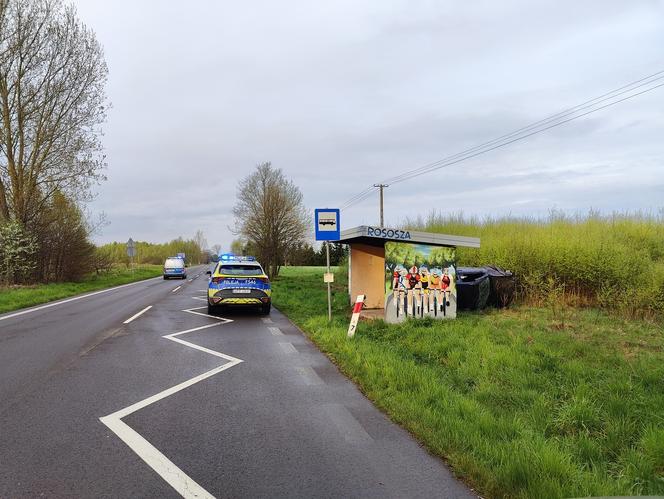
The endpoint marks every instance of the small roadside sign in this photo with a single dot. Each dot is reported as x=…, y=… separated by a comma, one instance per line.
x=328, y=277
x=357, y=309
x=131, y=248
x=327, y=222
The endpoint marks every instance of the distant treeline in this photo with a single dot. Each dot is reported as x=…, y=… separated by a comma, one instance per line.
x=306, y=255
x=155, y=253
x=613, y=261
x=298, y=255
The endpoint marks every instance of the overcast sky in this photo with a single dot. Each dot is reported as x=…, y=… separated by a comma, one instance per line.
x=343, y=94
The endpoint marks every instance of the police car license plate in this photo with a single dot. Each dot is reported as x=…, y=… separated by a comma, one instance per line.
x=241, y=291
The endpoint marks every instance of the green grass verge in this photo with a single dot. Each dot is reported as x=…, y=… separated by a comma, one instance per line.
x=15, y=297
x=518, y=403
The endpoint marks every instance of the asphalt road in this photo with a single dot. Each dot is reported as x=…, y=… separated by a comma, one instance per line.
x=176, y=402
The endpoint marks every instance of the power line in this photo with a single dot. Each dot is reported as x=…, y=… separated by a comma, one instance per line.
x=357, y=197
x=437, y=167
x=562, y=114
x=520, y=134
x=366, y=193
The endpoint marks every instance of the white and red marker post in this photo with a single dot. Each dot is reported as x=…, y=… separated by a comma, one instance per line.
x=356, y=315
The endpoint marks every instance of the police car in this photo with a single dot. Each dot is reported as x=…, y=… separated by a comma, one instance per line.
x=239, y=281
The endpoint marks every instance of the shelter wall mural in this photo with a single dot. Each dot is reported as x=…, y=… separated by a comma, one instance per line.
x=420, y=281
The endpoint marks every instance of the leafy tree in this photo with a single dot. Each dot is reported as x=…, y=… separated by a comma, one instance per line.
x=65, y=254
x=17, y=253
x=52, y=103
x=270, y=216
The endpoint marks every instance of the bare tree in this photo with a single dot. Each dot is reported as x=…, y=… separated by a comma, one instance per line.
x=52, y=104
x=201, y=242
x=238, y=247
x=270, y=216
x=216, y=249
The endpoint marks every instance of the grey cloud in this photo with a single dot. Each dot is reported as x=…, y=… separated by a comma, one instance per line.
x=343, y=94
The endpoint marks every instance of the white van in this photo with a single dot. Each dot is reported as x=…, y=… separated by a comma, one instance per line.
x=174, y=267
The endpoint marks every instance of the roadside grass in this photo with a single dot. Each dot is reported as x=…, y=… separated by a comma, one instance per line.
x=517, y=404
x=16, y=297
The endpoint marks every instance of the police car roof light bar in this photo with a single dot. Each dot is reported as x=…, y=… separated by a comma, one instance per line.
x=230, y=257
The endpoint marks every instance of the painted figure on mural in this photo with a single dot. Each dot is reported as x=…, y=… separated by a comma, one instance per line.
x=445, y=282
x=436, y=290
x=424, y=283
x=399, y=288
x=413, y=278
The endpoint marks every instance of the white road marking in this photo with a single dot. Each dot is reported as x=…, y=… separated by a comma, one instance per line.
x=267, y=320
x=310, y=376
x=288, y=348
x=173, y=475
x=351, y=429
x=201, y=298
x=191, y=311
x=80, y=297
x=135, y=316
x=175, y=289
x=275, y=331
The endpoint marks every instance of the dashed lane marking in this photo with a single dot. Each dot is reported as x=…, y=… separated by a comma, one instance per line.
x=275, y=331
x=137, y=315
x=175, y=289
x=267, y=320
x=173, y=475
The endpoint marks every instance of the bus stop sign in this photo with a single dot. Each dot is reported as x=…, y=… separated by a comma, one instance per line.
x=327, y=224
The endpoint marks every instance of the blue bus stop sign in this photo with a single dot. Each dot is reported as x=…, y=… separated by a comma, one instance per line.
x=327, y=222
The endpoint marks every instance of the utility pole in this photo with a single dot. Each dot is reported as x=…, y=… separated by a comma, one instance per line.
x=381, y=187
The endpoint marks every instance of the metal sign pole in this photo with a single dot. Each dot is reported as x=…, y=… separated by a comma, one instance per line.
x=131, y=252
x=329, y=286
x=326, y=221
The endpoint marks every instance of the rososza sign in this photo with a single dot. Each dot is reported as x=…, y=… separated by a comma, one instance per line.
x=402, y=235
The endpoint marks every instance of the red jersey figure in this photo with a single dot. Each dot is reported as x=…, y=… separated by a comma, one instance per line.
x=413, y=280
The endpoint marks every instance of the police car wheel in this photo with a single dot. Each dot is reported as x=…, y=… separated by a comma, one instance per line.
x=265, y=309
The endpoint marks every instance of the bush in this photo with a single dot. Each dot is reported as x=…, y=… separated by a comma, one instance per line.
x=17, y=253
x=614, y=261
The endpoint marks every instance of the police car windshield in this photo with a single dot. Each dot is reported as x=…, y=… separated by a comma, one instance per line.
x=240, y=269
x=173, y=263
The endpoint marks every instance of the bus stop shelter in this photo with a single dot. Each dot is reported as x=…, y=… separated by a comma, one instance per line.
x=402, y=272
